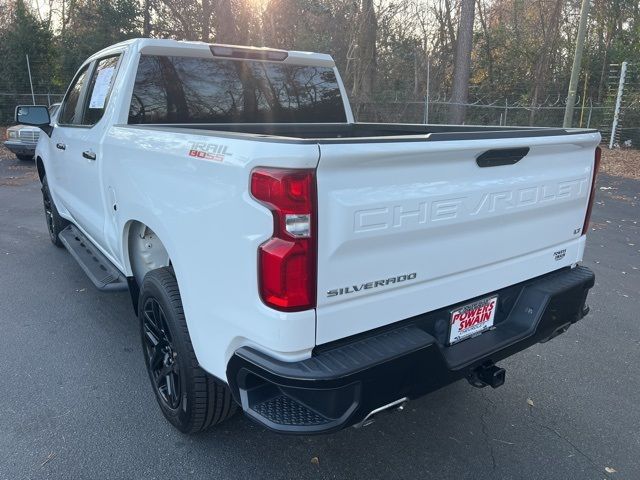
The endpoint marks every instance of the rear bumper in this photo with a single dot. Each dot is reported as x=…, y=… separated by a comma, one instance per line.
x=20, y=148
x=343, y=382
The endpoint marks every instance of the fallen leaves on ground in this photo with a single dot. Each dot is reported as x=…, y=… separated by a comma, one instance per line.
x=624, y=162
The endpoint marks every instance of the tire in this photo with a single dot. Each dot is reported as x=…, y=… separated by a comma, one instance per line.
x=55, y=223
x=24, y=157
x=190, y=399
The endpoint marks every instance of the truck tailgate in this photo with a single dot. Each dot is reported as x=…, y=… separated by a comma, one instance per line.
x=406, y=227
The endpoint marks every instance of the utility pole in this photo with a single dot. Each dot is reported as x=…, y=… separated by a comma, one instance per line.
x=33, y=97
x=577, y=61
x=426, y=97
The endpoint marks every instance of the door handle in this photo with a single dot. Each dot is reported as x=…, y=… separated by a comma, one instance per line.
x=501, y=156
x=61, y=146
x=89, y=155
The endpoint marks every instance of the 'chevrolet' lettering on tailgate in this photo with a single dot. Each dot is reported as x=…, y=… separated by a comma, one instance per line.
x=412, y=214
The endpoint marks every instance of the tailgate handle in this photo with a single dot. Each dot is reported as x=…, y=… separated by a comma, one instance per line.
x=501, y=156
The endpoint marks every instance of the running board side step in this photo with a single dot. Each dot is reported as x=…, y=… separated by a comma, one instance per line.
x=102, y=273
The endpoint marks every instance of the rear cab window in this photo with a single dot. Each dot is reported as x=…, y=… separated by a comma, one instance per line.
x=171, y=89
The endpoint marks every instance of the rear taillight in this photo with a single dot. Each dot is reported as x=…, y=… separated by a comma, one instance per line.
x=592, y=193
x=287, y=261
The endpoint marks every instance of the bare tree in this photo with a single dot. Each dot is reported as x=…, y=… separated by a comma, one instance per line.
x=550, y=33
x=146, y=18
x=207, y=11
x=186, y=30
x=521, y=51
x=487, y=42
x=462, y=66
x=367, y=51
x=226, y=25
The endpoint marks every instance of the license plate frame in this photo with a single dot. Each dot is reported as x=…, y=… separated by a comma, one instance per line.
x=472, y=319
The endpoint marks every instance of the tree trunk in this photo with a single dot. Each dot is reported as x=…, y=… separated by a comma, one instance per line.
x=449, y=22
x=68, y=13
x=146, y=19
x=206, y=20
x=487, y=44
x=416, y=72
x=226, y=31
x=550, y=36
x=367, y=49
x=462, y=66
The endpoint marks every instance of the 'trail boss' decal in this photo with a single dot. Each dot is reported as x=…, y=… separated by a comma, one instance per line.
x=209, y=151
x=370, y=285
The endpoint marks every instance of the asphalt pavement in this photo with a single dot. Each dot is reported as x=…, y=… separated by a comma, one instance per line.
x=75, y=400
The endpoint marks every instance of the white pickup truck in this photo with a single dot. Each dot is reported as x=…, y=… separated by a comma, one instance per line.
x=282, y=257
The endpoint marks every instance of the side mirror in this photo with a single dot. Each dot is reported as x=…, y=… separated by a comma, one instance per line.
x=35, y=115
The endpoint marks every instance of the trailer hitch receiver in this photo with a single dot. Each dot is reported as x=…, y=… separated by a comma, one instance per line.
x=487, y=374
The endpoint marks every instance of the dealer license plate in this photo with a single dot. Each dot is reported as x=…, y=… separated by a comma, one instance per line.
x=472, y=319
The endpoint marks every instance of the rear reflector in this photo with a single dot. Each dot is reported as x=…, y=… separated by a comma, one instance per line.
x=287, y=261
x=249, y=53
x=592, y=194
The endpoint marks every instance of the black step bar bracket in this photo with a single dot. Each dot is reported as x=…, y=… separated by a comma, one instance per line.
x=102, y=273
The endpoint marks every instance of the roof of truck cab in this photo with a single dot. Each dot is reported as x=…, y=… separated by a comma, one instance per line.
x=156, y=46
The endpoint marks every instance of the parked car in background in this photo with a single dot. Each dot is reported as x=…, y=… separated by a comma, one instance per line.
x=22, y=139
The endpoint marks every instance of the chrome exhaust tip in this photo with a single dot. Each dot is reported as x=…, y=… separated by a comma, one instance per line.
x=395, y=405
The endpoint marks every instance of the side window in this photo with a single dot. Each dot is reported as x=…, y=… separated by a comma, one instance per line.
x=71, y=108
x=99, y=89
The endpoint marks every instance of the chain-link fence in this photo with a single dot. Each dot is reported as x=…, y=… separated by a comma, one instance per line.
x=621, y=127
x=503, y=112
x=435, y=110
x=617, y=116
x=9, y=101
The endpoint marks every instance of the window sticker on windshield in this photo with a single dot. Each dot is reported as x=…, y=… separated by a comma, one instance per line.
x=101, y=87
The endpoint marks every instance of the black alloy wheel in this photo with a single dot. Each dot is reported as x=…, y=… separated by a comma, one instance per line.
x=55, y=223
x=189, y=398
x=161, y=356
x=48, y=214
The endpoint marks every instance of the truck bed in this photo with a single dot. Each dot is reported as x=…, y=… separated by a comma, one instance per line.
x=362, y=132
